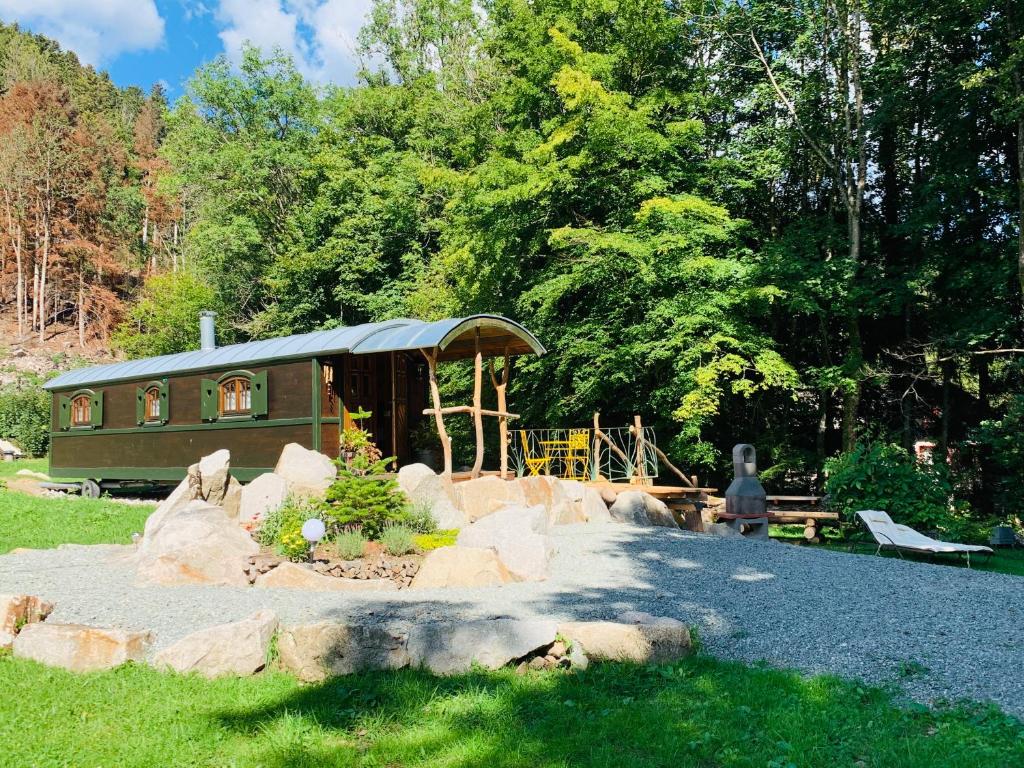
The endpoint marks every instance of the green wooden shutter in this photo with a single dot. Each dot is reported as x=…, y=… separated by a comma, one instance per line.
x=96, y=410
x=208, y=400
x=64, y=412
x=140, y=406
x=165, y=403
x=258, y=393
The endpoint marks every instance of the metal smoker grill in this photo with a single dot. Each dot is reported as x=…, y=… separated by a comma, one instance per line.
x=745, y=496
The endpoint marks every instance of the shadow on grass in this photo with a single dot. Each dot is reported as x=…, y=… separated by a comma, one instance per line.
x=699, y=712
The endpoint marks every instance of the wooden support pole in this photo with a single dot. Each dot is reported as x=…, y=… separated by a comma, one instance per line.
x=638, y=431
x=435, y=395
x=478, y=417
x=596, y=473
x=500, y=389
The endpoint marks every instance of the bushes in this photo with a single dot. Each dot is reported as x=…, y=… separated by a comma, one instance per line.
x=25, y=417
x=282, y=527
x=398, y=540
x=350, y=544
x=885, y=476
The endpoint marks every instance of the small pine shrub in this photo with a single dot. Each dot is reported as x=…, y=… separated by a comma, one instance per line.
x=366, y=500
x=350, y=544
x=398, y=540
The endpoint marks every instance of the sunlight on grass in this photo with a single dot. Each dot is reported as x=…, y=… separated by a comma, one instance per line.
x=697, y=712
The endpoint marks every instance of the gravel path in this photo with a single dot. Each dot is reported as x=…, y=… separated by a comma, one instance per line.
x=938, y=631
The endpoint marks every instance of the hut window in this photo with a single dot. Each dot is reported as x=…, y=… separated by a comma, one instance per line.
x=235, y=397
x=81, y=411
x=153, y=404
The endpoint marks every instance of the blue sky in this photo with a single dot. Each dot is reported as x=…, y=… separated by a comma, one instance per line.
x=141, y=42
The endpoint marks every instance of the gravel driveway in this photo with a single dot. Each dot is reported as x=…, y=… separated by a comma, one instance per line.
x=938, y=631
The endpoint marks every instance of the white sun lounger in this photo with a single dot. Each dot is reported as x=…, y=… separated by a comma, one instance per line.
x=890, y=535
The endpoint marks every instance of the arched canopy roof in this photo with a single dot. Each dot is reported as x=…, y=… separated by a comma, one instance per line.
x=453, y=337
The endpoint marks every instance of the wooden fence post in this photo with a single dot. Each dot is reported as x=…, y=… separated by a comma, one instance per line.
x=478, y=417
x=501, y=389
x=638, y=430
x=597, y=447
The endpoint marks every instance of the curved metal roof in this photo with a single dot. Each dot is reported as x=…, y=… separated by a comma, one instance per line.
x=388, y=336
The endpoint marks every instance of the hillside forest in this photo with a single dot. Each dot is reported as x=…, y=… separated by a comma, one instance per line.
x=792, y=224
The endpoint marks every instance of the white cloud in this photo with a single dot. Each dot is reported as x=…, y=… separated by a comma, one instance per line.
x=319, y=34
x=97, y=30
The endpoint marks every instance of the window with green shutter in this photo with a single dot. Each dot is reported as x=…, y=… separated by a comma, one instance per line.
x=235, y=395
x=81, y=410
x=152, y=404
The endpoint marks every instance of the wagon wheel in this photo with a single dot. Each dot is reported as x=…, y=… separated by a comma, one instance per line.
x=90, y=489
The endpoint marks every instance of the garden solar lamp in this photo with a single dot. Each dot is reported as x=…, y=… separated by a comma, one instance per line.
x=312, y=531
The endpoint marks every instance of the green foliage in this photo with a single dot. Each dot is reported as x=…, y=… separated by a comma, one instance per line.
x=366, y=500
x=165, y=319
x=25, y=417
x=350, y=543
x=282, y=527
x=398, y=539
x=884, y=476
x=420, y=518
x=1004, y=440
x=428, y=541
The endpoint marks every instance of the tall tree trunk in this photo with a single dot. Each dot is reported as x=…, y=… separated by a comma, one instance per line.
x=81, y=306
x=1018, y=92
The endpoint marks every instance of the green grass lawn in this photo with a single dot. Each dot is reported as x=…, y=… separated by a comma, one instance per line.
x=41, y=523
x=10, y=468
x=699, y=712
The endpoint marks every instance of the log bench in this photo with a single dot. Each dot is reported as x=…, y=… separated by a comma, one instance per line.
x=801, y=510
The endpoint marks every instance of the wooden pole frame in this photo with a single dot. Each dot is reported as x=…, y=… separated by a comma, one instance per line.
x=478, y=417
x=501, y=389
x=435, y=396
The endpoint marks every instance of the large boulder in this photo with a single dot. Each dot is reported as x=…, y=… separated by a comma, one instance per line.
x=262, y=496
x=486, y=495
x=78, y=647
x=314, y=652
x=198, y=544
x=10, y=449
x=641, y=508
x=296, y=576
x=461, y=567
x=519, y=535
x=232, y=502
x=451, y=647
x=548, y=492
x=187, y=491
x=635, y=637
x=433, y=492
x=214, y=474
x=587, y=501
x=18, y=611
x=308, y=473
x=238, y=648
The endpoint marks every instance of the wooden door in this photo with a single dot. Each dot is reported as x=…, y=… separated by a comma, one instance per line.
x=400, y=407
x=360, y=389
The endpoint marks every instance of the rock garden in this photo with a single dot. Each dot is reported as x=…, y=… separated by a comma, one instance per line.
x=374, y=535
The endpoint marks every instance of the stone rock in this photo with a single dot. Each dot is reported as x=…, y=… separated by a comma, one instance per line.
x=641, y=508
x=186, y=492
x=308, y=473
x=609, y=496
x=232, y=503
x=17, y=611
x=544, y=490
x=197, y=544
x=32, y=474
x=589, y=505
x=486, y=495
x=646, y=640
x=13, y=450
x=213, y=475
x=566, y=513
x=78, y=647
x=295, y=576
x=411, y=475
x=577, y=657
x=519, y=535
x=263, y=495
x=452, y=647
x=314, y=652
x=238, y=648
x=722, y=530
x=461, y=567
x=426, y=489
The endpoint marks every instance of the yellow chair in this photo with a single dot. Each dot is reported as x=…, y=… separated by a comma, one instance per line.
x=578, y=454
x=533, y=463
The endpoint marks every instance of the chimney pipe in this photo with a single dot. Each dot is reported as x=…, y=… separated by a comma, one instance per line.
x=207, y=331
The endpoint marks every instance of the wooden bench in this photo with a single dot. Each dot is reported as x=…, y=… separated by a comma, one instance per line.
x=804, y=510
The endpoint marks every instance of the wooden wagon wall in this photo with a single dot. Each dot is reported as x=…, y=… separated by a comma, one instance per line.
x=123, y=450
